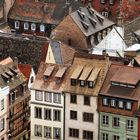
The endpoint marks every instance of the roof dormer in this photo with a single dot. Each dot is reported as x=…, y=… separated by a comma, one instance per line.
x=48, y=72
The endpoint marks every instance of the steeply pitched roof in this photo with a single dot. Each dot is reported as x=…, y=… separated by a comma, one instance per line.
x=25, y=69
x=90, y=21
x=10, y=75
x=30, y=11
x=122, y=74
x=80, y=68
x=63, y=53
x=52, y=82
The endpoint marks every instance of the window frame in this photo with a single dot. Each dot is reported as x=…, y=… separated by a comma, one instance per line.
x=26, y=26
x=57, y=116
x=57, y=98
x=59, y=129
x=37, y=94
x=49, y=115
x=88, y=117
x=128, y=108
x=35, y=129
x=33, y=27
x=2, y=104
x=73, y=132
x=113, y=103
x=105, y=103
x=104, y=136
x=42, y=25
x=105, y=120
x=46, y=95
x=17, y=23
x=116, y=122
x=73, y=115
x=36, y=109
x=87, y=135
x=73, y=98
x=130, y=125
x=48, y=130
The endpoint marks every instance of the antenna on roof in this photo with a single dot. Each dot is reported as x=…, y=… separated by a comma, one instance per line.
x=85, y=25
x=81, y=14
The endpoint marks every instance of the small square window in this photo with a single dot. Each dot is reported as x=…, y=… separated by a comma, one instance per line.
x=128, y=105
x=90, y=84
x=121, y=104
x=87, y=135
x=73, y=115
x=74, y=132
x=73, y=82
x=82, y=83
x=104, y=136
x=105, y=102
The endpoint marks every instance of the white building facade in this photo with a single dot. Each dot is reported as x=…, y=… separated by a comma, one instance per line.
x=81, y=120
x=4, y=102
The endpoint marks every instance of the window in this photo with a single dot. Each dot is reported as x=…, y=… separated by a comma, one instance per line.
x=57, y=115
x=57, y=98
x=82, y=83
x=2, y=104
x=128, y=105
x=130, y=125
x=102, y=1
x=38, y=95
x=57, y=133
x=113, y=102
x=116, y=121
x=33, y=27
x=88, y=135
x=38, y=112
x=90, y=84
x=73, y=115
x=104, y=13
x=104, y=136
x=26, y=26
x=74, y=132
x=105, y=119
x=115, y=137
x=16, y=24
x=86, y=100
x=42, y=28
x=2, y=124
x=129, y=138
x=38, y=130
x=105, y=101
x=111, y=1
x=48, y=97
x=88, y=117
x=73, y=82
x=73, y=98
x=121, y=104
x=47, y=132
x=32, y=79
x=47, y=114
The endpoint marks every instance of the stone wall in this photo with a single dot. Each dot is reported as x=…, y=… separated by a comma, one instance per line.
x=28, y=51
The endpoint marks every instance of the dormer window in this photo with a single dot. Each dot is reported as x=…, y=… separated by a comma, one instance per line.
x=73, y=82
x=26, y=26
x=102, y=1
x=90, y=84
x=113, y=103
x=128, y=105
x=111, y=2
x=42, y=28
x=16, y=24
x=121, y=104
x=105, y=102
x=82, y=83
x=33, y=27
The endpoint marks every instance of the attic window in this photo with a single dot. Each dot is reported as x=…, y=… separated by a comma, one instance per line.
x=82, y=83
x=73, y=82
x=90, y=84
x=81, y=14
x=48, y=72
x=26, y=26
x=42, y=28
x=100, y=18
x=111, y=2
x=17, y=24
x=102, y=1
x=33, y=27
x=85, y=25
x=122, y=84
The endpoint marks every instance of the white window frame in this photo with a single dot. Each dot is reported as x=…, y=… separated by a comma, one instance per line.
x=57, y=116
x=117, y=121
x=105, y=101
x=113, y=103
x=105, y=120
x=42, y=28
x=38, y=128
x=47, y=132
x=128, y=105
x=57, y=98
x=2, y=104
x=104, y=136
x=38, y=95
x=130, y=125
x=26, y=26
x=48, y=96
x=17, y=24
x=121, y=104
x=33, y=27
x=48, y=115
x=56, y=131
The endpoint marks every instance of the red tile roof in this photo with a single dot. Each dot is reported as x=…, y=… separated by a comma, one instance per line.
x=25, y=69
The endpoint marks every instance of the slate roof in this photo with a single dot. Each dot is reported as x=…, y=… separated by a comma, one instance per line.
x=127, y=74
x=52, y=83
x=81, y=66
x=10, y=73
x=87, y=16
x=39, y=12
x=63, y=54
